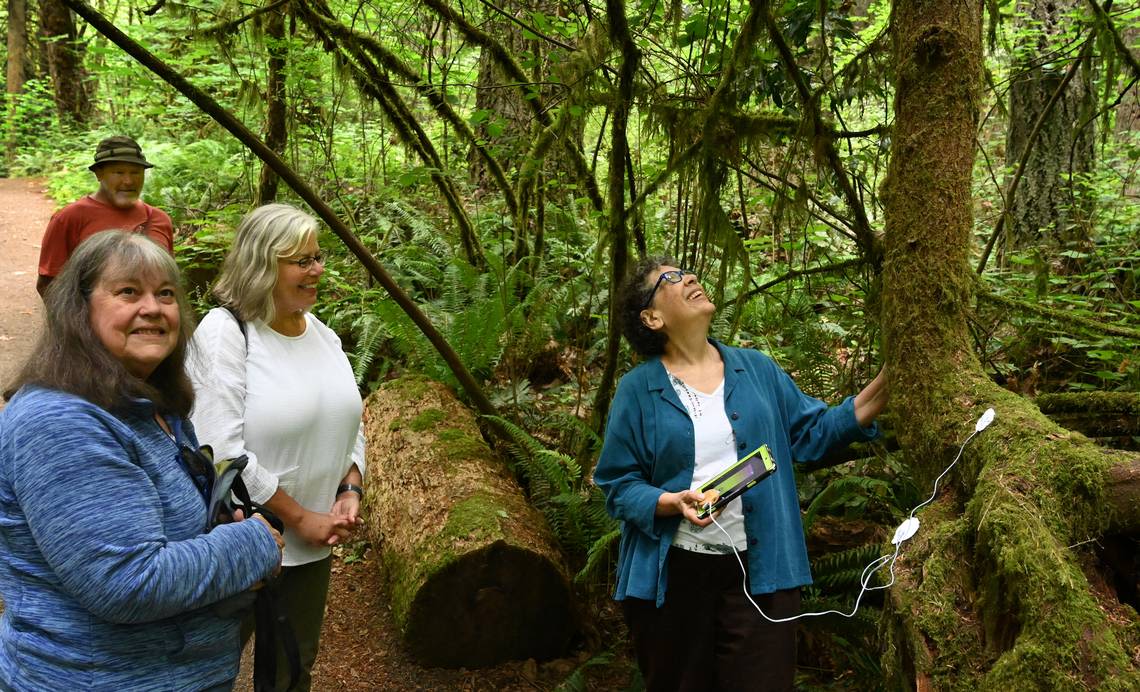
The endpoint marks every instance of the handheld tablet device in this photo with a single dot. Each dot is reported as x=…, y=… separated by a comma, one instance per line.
x=741, y=476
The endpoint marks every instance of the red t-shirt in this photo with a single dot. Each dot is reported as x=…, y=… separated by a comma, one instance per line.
x=87, y=216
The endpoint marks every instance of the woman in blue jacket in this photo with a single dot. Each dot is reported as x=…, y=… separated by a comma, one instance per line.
x=678, y=419
x=108, y=576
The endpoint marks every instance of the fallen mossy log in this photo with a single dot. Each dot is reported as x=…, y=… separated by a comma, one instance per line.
x=1095, y=414
x=476, y=578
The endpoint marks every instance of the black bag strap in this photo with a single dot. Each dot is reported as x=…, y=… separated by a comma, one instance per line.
x=240, y=322
x=272, y=628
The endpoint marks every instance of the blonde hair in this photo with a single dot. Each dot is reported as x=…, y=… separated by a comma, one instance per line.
x=249, y=273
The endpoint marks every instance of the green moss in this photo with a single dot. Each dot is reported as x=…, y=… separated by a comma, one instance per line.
x=410, y=387
x=1030, y=504
x=475, y=518
x=939, y=603
x=1099, y=402
x=427, y=419
x=456, y=444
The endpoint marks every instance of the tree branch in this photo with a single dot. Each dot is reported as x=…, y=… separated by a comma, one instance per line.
x=1086, y=323
x=618, y=233
x=322, y=22
x=794, y=273
x=525, y=27
x=515, y=72
x=823, y=147
x=319, y=206
x=1117, y=41
x=224, y=28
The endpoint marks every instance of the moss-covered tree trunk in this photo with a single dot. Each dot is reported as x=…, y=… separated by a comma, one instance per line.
x=276, y=121
x=65, y=62
x=475, y=576
x=994, y=591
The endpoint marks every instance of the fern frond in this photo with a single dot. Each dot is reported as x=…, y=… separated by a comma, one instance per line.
x=843, y=569
x=599, y=551
x=369, y=330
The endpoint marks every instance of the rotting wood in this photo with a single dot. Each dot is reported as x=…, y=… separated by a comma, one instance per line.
x=476, y=577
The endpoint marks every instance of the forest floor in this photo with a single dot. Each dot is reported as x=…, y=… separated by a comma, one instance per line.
x=361, y=650
x=360, y=644
x=24, y=212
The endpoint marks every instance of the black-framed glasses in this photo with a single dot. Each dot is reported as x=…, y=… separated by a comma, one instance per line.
x=673, y=276
x=305, y=262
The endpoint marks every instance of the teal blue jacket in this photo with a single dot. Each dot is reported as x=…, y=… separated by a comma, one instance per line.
x=648, y=450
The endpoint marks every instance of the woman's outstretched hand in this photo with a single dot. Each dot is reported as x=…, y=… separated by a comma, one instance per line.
x=871, y=401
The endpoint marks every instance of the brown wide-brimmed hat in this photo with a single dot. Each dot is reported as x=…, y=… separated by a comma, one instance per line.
x=119, y=149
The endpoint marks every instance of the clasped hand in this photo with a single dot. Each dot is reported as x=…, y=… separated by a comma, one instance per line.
x=326, y=528
x=239, y=515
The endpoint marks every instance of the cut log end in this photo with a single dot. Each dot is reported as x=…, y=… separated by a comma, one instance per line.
x=496, y=604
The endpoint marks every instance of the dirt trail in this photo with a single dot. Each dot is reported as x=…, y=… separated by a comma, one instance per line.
x=24, y=212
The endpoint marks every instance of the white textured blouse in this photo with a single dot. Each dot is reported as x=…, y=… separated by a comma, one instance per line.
x=714, y=450
x=289, y=403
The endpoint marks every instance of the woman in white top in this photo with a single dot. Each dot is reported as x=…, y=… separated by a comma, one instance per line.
x=277, y=387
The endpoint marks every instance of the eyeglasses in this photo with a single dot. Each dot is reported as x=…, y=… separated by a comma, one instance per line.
x=305, y=262
x=673, y=276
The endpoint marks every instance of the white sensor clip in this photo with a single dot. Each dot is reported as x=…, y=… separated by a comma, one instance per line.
x=905, y=530
x=985, y=420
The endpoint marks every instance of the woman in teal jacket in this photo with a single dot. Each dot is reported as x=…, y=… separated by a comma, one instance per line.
x=682, y=416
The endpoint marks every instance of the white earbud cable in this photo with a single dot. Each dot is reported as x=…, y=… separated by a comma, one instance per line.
x=903, y=533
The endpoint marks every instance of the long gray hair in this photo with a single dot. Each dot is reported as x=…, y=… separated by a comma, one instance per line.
x=249, y=273
x=70, y=356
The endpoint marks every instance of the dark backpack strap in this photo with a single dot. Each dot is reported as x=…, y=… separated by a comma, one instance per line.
x=240, y=322
x=273, y=631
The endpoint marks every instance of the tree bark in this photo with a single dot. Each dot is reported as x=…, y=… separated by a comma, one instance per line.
x=1047, y=208
x=476, y=577
x=990, y=593
x=17, y=72
x=65, y=62
x=511, y=128
x=17, y=46
x=276, y=126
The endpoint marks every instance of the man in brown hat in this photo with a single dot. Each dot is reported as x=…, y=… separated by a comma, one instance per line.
x=120, y=168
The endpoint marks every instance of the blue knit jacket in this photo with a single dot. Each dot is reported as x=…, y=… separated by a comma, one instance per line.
x=105, y=570
x=649, y=450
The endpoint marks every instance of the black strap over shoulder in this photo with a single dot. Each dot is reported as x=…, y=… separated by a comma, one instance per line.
x=272, y=629
x=239, y=320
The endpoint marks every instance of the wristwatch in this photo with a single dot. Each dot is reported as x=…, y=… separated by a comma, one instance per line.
x=345, y=487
